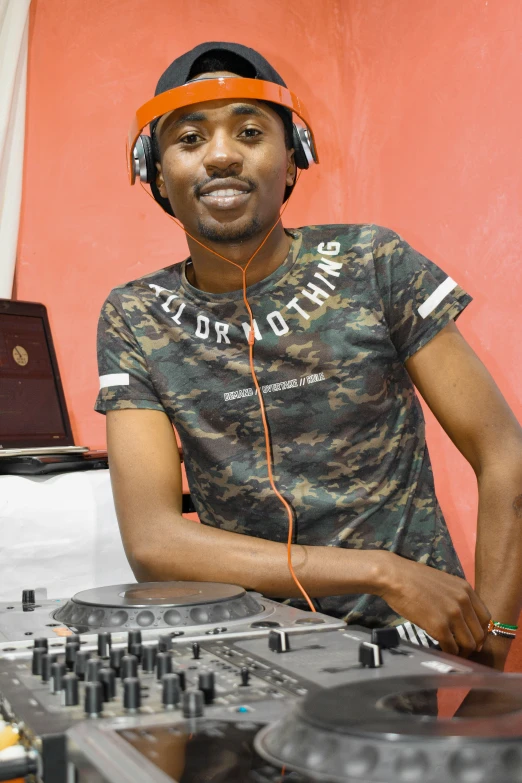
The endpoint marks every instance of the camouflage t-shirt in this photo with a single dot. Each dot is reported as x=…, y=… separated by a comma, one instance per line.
x=334, y=325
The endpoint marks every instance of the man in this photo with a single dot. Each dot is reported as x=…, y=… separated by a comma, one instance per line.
x=347, y=320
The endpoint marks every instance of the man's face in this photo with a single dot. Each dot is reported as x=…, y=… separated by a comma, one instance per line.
x=224, y=167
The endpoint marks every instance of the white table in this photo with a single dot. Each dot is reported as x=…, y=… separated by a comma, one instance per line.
x=59, y=532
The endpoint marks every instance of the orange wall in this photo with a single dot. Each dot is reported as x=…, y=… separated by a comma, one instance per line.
x=418, y=120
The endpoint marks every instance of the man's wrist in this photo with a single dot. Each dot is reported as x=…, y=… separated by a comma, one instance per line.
x=382, y=571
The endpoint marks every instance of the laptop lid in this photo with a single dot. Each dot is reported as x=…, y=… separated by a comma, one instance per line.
x=33, y=412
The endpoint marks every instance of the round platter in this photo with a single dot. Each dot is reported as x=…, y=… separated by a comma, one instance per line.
x=454, y=728
x=157, y=605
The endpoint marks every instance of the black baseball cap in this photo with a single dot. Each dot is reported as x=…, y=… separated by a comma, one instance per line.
x=235, y=57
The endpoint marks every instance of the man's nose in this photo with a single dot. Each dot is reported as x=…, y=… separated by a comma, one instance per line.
x=222, y=153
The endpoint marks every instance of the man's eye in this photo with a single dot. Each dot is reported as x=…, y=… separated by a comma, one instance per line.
x=250, y=133
x=190, y=138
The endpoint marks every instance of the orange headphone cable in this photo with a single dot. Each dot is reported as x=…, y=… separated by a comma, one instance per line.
x=251, y=342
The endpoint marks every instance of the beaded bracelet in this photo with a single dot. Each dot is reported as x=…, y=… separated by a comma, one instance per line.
x=502, y=629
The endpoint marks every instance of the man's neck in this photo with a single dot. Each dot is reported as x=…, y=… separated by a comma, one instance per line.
x=214, y=275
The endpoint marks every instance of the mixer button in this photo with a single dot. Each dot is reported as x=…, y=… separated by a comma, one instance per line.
x=115, y=659
x=128, y=666
x=70, y=690
x=71, y=650
x=370, y=655
x=386, y=638
x=38, y=653
x=171, y=690
x=42, y=641
x=245, y=676
x=107, y=677
x=195, y=650
x=80, y=664
x=163, y=664
x=28, y=597
x=206, y=684
x=58, y=671
x=104, y=644
x=278, y=641
x=131, y=694
x=136, y=649
x=133, y=637
x=47, y=662
x=148, y=657
x=92, y=670
x=193, y=701
x=93, y=699
x=164, y=642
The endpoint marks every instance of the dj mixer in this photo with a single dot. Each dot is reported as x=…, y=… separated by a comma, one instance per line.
x=195, y=682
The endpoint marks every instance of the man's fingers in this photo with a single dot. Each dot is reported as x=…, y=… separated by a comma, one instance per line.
x=481, y=610
x=447, y=642
x=463, y=636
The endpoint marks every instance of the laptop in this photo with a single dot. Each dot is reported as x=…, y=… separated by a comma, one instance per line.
x=35, y=430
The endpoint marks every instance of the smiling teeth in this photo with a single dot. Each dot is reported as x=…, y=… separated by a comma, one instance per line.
x=228, y=192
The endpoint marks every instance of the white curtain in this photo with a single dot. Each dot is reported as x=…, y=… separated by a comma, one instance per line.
x=14, y=22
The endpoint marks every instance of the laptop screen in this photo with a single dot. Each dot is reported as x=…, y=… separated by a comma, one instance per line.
x=32, y=407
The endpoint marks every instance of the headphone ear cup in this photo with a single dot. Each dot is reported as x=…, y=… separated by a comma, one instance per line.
x=149, y=169
x=301, y=161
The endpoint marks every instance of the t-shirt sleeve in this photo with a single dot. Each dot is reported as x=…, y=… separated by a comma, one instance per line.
x=419, y=299
x=125, y=380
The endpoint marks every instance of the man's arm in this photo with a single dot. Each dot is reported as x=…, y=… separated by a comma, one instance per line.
x=469, y=406
x=161, y=545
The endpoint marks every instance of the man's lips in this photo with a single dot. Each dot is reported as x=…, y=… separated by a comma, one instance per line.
x=225, y=194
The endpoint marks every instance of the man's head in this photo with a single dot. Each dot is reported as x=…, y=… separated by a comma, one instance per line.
x=225, y=166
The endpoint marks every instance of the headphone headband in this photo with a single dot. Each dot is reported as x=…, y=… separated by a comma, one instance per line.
x=203, y=90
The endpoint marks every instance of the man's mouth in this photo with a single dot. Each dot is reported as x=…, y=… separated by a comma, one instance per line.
x=225, y=194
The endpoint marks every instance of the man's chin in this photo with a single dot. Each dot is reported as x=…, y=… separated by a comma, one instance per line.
x=235, y=231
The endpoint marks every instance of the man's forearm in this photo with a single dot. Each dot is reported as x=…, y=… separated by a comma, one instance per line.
x=178, y=548
x=498, y=556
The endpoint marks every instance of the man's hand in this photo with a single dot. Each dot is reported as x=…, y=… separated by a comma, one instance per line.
x=445, y=606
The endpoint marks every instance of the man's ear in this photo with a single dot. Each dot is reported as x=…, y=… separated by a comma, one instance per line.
x=291, y=168
x=160, y=182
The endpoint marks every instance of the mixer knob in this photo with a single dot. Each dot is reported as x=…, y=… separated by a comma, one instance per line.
x=93, y=669
x=148, y=657
x=133, y=637
x=206, y=685
x=104, y=644
x=107, y=677
x=80, y=664
x=42, y=641
x=70, y=690
x=163, y=664
x=195, y=650
x=47, y=661
x=136, y=649
x=28, y=597
x=128, y=666
x=164, y=642
x=72, y=639
x=278, y=641
x=171, y=690
x=370, y=655
x=182, y=679
x=245, y=675
x=58, y=671
x=131, y=694
x=386, y=638
x=116, y=658
x=71, y=650
x=193, y=701
x=38, y=653
x=93, y=699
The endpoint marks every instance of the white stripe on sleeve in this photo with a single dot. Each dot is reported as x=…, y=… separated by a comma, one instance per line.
x=436, y=297
x=114, y=379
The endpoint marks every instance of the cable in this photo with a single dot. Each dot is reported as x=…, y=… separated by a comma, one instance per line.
x=251, y=343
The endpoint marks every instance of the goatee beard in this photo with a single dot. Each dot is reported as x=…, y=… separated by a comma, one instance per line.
x=229, y=234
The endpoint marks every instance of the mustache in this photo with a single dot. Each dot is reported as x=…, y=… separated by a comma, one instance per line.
x=226, y=175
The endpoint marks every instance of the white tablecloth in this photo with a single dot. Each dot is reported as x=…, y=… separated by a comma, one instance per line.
x=59, y=532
